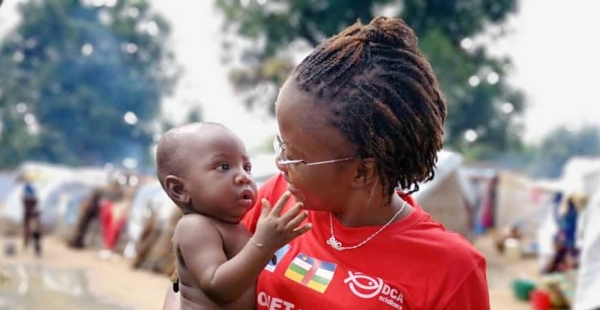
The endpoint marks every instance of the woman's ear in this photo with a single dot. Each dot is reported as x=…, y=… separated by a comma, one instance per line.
x=176, y=190
x=366, y=173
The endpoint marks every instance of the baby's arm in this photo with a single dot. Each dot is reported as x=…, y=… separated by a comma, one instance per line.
x=222, y=280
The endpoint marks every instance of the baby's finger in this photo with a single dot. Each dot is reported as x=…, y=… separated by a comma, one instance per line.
x=266, y=208
x=301, y=230
x=295, y=222
x=291, y=213
x=280, y=203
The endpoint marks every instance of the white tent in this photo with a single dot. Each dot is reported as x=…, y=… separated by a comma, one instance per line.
x=148, y=199
x=445, y=197
x=588, y=281
x=575, y=171
x=580, y=175
x=7, y=181
x=55, y=186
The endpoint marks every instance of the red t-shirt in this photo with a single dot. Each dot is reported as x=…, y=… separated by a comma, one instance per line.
x=412, y=264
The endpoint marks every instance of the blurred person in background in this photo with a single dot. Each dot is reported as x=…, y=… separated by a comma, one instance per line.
x=90, y=211
x=567, y=213
x=32, y=228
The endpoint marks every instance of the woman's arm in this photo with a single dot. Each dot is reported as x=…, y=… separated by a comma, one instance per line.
x=472, y=293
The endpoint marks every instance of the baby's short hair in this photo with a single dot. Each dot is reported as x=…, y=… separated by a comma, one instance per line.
x=170, y=151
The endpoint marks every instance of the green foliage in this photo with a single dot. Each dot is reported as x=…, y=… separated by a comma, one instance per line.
x=562, y=144
x=280, y=29
x=547, y=159
x=70, y=72
x=195, y=115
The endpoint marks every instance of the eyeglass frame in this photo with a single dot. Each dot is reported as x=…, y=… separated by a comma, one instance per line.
x=279, y=147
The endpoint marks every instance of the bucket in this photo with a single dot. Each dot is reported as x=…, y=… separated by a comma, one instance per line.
x=522, y=289
x=540, y=300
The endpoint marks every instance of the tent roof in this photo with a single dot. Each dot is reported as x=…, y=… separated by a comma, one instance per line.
x=574, y=174
x=448, y=162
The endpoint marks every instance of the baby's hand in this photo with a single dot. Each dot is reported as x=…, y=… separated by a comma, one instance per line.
x=274, y=230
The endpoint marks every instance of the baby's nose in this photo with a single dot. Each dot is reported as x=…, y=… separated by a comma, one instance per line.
x=242, y=178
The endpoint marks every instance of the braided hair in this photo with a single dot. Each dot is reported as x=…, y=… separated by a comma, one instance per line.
x=382, y=94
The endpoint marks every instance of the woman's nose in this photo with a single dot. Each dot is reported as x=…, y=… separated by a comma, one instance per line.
x=282, y=168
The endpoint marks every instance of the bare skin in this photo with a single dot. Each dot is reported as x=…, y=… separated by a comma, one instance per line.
x=227, y=266
x=231, y=238
x=218, y=259
x=356, y=198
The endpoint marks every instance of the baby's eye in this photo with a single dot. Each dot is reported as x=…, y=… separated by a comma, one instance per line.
x=248, y=168
x=224, y=167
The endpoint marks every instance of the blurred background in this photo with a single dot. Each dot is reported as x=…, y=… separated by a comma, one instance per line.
x=87, y=87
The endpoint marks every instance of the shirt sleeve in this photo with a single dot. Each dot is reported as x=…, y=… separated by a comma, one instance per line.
x=472, y=293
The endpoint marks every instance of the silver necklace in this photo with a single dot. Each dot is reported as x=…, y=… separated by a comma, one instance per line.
x=334, y=243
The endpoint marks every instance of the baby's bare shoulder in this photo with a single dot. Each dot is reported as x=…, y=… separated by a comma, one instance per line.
x=193, y=224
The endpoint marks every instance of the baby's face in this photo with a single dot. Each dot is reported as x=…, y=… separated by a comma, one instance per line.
x=218, y=177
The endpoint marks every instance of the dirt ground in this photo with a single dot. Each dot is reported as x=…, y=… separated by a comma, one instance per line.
x=113, y=280
x=502, y=271
x=110, y=279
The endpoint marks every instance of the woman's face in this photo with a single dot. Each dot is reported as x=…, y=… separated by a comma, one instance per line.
x=305, y=134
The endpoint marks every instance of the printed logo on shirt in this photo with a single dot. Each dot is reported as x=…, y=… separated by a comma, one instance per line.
x=272, y=302
x=277, y=258
x=367, y=287
x=311, y=272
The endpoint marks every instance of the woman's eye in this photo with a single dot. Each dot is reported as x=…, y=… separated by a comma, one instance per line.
x=224, y=167
x=286, y=156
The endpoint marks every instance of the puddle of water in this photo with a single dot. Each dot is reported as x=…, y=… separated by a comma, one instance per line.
x=29, y=287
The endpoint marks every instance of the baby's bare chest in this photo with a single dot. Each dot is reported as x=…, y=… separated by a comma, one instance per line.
x=234, y=237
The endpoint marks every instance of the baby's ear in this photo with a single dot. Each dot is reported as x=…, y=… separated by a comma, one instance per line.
x=176, y=190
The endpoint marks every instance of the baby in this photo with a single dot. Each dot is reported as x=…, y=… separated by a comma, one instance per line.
x=205, y=170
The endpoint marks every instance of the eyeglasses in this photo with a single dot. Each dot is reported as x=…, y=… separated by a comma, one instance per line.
x=279, y=147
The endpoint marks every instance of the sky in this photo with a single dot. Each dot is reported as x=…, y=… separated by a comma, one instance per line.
x=556, y=63
x=556, y=55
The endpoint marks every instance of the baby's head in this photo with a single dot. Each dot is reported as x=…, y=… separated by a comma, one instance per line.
x=204, y=168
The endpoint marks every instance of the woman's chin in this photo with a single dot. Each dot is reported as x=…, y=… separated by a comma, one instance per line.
x=299, y=197
x=294, y=191
x=297, y=194
x=309, y=202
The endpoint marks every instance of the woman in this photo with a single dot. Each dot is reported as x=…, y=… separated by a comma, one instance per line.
x=361, y=121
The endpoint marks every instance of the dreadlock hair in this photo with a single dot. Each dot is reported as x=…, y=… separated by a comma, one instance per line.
x=382, y=93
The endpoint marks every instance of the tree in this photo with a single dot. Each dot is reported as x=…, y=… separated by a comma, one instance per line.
x=547, y=159
x=483, y=108
x=560, y=145
x=82, y=81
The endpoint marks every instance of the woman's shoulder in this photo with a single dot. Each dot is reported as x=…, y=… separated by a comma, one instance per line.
x=432, y=238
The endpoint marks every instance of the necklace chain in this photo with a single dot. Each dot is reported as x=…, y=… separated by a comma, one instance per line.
x=334, y=243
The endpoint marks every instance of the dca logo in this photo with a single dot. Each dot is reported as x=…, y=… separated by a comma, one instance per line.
x=367, y=287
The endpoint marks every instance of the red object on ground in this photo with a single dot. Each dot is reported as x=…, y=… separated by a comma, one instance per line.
x=540, y=300
x=111, y=227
